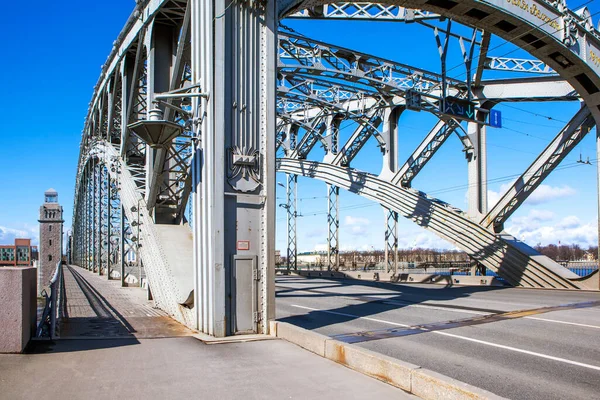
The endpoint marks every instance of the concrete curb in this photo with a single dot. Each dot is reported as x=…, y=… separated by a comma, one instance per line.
x=408, y=377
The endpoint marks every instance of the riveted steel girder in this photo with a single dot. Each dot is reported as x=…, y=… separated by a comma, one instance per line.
x=545, y=163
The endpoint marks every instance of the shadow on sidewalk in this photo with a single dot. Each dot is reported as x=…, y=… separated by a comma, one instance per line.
x=105, y=328
x=74, y=345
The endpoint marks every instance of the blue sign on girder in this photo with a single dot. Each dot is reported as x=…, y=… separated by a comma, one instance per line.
x=459, y=108
x=495, y=119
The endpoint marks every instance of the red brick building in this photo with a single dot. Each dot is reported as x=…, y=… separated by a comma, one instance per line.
x=19, y=254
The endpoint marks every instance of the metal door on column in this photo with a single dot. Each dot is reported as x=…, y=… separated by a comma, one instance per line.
x=244, y=301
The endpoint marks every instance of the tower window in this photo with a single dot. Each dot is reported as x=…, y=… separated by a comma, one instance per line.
x=50, y=257
x=50, y=242
x=49, y=227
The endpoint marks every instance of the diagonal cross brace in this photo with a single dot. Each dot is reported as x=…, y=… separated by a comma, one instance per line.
x=432, y=142
x=368, y=127
x=313, y=134
x=545, y=163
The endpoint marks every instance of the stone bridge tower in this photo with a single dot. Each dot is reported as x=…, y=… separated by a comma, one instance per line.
x=51, y=233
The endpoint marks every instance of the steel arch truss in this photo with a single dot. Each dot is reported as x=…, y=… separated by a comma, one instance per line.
x=130, y=195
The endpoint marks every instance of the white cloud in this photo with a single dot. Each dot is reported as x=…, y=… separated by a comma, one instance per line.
x=350, y=220
x=8, y=235
x=568, y=230
x=423, y=239
x=494, y=196
x=321, y=247
x=545, y=193
x=356, y=226
x=533, y=220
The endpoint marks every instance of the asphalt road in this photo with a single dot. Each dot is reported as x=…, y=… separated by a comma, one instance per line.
x=537, y=354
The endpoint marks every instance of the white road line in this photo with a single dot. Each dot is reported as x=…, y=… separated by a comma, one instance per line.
x=487, y=313
x=564, y=322
x=457, y=310
x=500, y=346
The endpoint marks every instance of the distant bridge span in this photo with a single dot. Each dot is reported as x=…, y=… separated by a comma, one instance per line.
x=178, y=152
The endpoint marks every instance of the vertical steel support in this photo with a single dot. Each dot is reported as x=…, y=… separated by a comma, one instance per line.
x=99, y=220
x=84, y=218
x=391, y=241
x=292, y=204
x=122, y=245
x=333, y=224
x=333, y=192
x=160, y=61
x=477, y=170
x=390, y=166
x=292, y=214
x=390, y=135
x=86, y=226
x=108, y=224
x=94, y=225
x=90, y=217
x=234, y=48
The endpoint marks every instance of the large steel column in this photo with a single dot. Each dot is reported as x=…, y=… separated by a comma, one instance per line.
x=292, y=202
x=477, y=171
x=390, y=166
x=99, y=220
x=390, y=135
x=333, y=224
x=160, y=60
x=94, y=223
x=333, y=192
x=108, y=225
x=234, y=60
x=292, y=214
x=88, y=216
x=122, y=245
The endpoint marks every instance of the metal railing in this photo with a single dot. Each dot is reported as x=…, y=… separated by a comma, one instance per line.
x=581, y=268
x=53, y=310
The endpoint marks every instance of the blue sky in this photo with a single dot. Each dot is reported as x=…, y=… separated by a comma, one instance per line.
x=53, y=59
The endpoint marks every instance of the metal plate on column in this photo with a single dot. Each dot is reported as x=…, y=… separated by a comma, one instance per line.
x=244, y=304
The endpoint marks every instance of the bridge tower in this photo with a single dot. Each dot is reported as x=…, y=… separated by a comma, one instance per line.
x=51, y=233
x=234, y=165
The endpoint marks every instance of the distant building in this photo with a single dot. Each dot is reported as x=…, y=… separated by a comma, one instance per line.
x=311, y=258
x=20, y=254
x=51, y=233
x=277, y=257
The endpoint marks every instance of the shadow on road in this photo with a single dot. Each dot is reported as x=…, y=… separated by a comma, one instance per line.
x=371, y=302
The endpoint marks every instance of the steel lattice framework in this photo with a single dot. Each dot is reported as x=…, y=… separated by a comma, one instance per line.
x=191, y=113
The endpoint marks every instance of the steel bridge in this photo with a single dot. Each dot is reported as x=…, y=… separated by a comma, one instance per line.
x=200, y=103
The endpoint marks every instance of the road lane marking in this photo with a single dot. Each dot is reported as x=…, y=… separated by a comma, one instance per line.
x=515, y=313
x=564, y=322
x=364, y=336
x=483, y=342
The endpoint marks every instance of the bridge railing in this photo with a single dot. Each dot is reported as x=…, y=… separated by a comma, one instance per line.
x=54, y=308
x=581, y=268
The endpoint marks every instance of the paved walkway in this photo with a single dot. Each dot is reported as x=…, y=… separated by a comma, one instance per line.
x=97, y=307
x=122, y=348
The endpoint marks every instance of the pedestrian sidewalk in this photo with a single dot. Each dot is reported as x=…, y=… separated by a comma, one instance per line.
x=99, y=308
x=114, y=345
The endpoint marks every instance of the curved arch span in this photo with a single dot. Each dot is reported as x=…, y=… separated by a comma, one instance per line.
x=547, y=29
x=516, y=262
